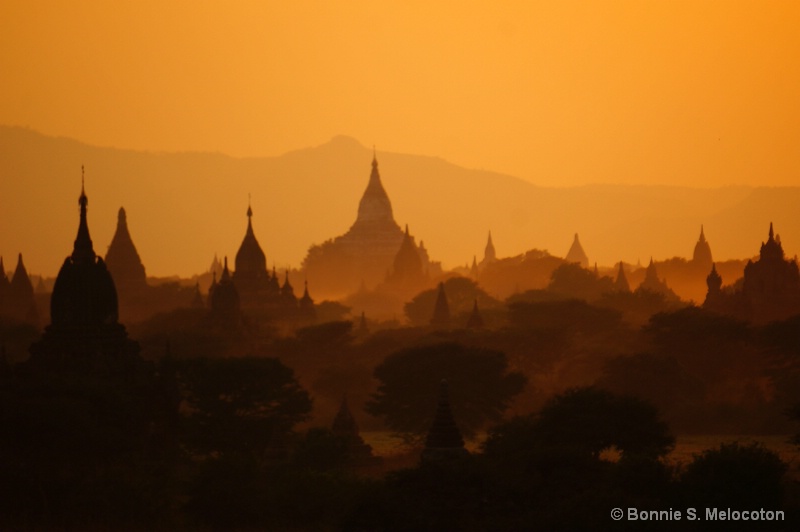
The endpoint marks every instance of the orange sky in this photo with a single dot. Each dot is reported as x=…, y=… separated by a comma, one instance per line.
x=557, y=92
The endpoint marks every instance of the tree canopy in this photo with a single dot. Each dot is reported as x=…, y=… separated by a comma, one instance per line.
x=480, y=387
x=241, y=404
x=586, y=421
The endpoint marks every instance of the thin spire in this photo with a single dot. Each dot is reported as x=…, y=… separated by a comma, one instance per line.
x=83, y=252
x=249, y=207
x=226, y=274
x=771, y=232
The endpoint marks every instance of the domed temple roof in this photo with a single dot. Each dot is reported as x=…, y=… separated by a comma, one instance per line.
x=123, y=260
x=576, y=253
x=250, y=259
x=84, y=294
x=84, y=332
x=375, y=205
x=702, y=251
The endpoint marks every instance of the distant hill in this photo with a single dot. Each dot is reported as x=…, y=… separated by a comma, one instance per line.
x=184, y=207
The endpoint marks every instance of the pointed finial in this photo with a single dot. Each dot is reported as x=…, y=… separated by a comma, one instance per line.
x=249, y=207
x=771, y=233
x=82, y=200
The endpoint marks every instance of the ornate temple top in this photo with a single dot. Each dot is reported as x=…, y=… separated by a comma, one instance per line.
x=375, y=205
x=407, y=262
x=83, y=251
x=621, y=284
x=772, y=248
x=714, y=280
x=84, y=294
x=702, y=251
x=122, y=258
x=576, y=253
x=444, y=433
x=441, y=312
x=250, y=259
x=475, y=320
x=489, y=253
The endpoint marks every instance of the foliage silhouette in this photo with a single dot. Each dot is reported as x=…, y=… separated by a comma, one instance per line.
x=736, y=476
x=480, y=387
x=240, y=405
x=584, y=422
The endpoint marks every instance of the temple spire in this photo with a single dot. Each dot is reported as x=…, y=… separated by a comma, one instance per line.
x=83, y=250
x=375, y=205
x=489, y=253
x=444, y=438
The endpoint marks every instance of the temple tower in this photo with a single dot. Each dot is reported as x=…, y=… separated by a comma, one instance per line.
x=444, y=439
x=224, y=299
x=621, y=283
x=489, y=253
x=345, y=427
x=251, y=276
x=366, y=252
x=576, y=253
x=306, y=305
x=441, y=311
x=19, y=301
x=123, y=260
x=475, y=320
x=84, y=332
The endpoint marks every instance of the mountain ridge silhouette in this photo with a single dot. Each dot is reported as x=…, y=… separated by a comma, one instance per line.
x=195, y=203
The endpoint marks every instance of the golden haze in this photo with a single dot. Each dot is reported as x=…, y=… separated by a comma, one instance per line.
x=557, y=93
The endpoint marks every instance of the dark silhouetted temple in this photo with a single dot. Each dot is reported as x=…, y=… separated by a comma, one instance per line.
x=123, y=260
x=444, y=439
x=366, y=252
x=577, y=254
x=17, y=300
x=769, y=290
x=84, y=333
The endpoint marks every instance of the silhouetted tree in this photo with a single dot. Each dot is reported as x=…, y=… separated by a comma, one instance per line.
x=661, y=380
x=570, y=280
x=480, y=387
x=81, y=450
x=573, y=315
x=326, y=334
x=547, y=469
x=321, y=450
x=736, y=476
x=241, y=405
x=584, y=422
x=590, y=420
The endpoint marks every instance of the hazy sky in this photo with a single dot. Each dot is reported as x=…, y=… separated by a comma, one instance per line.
x=558, y=92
